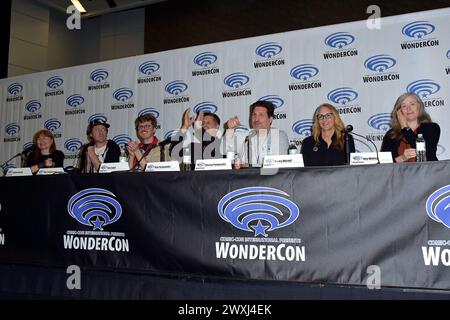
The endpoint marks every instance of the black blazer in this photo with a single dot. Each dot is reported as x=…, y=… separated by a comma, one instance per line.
x=430, y=131
x=112, y=154
x=319, y=154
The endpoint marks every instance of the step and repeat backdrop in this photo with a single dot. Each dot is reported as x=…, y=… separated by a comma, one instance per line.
x=358, y=70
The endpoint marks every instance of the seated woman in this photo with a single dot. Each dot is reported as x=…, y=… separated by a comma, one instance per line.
x=326, y=145
x=409, y=118
x=147, y=149
x=45, y=154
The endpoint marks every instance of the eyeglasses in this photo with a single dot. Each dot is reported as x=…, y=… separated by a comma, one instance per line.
x=326, y=116
x=144, y=126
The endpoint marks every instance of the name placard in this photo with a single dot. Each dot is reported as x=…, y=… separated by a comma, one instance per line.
x=113, y=166
x=284, y=161
x=18, y=172
x=213, y=164
x=370, y=158
x=47, y=171
x=162, y=166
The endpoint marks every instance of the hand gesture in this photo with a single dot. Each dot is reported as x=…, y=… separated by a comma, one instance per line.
x=49, y=163
x=233, y=123
x=187, y=119
x=408, y=154
x=401, y=119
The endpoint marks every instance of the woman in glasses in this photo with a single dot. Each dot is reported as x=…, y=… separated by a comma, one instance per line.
x=409, y=118
x=326, y=145
x=147, y=149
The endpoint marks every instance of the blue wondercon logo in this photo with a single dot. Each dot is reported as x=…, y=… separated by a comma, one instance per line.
x=440, y=150
x=98, y=116
x=73, y=144
x=380, y=121
x=5, y=167
x=12, y=129
x=303, y=127
x=418, y=29
x=438, y=206
x=380, y=63
x=304, y=72
x=258, y=209
x=205, y=107
x=268, y=50
x=242, y=129
x=122, y=94
x=423, y=88
x=94, y=207
x=149, y=67
x=277, y=101
x=205, y=59
x=236, y=80
x=99, y=75
x=176, y=87
x=339, y=40
x=32, y=106
x=448, y=54
x=54, y=82
x=52, y=124
x=121, y=140
x=150, y=111
x=27, y=145
x=75, y=100
x=342, y=96
x=170, y=134
x=15, y=88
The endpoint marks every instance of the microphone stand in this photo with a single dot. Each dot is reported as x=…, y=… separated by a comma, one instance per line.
x=6, y=162
x=376, y=150
x=347, y=146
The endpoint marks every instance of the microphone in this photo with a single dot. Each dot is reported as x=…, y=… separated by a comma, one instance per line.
x=348, y=130
x=247, y=141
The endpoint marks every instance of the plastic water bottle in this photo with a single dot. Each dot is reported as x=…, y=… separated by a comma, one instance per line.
x=123, y=156
x=292, y=149
x=420, y=148
x=186, y=164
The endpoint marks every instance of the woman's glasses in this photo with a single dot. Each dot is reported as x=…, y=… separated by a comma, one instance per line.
x=325, y=116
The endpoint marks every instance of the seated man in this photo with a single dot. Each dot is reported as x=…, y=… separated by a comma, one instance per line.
x=99, y=149
x=201, y=143
x=146, y=149
x=262, y=140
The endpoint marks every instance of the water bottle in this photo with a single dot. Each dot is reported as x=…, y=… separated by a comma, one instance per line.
x=231, y=154
x=420, y=148
x=123, y=155
x=292, y=149
x=186, y=164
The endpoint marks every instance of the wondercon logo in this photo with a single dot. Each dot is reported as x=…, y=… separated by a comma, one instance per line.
x=448, y=54
x=52, y=124
x=342, y=96
x=438, y=206
x=242, y=129
x=73, y=144
x=304, y=72
x=236, y=80
x=423, y=88
x=149, y=67
x=98, y=116
x=150, y=111
x=440, y=149
x=121, y=140
x=27, y=145
x=12, y=129
x=74, y=100
x=176, y=87
x=205, y=107
x=380, y=121
x=170, y=134
x=418, y=29
x=380, y=63
x=54, y=82
x=99, y=75
x=122, y=94
x=268, y=50
x=339, y=40
x=15, y=88
x=5, y=167
x=94, y=207
x=303, y=127
x=205, y=59
x=258, y=209
x=276, y=100
x=33, y=106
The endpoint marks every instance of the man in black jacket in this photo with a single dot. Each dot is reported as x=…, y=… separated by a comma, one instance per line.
x=99, y=149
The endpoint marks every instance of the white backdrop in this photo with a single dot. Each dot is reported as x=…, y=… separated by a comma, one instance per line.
x=360, y=71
